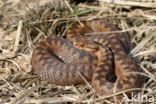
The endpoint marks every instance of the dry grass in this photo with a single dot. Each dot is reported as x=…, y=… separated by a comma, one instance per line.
x=23, y=24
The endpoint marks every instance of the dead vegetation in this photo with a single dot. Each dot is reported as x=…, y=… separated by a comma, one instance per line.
x=23, y=24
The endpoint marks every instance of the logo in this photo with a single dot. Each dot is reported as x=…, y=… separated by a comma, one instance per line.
x=138, y=98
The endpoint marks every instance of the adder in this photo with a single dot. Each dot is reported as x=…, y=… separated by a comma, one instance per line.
x=90, y=51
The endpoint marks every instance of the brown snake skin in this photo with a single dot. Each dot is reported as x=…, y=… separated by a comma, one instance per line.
x=101, y=58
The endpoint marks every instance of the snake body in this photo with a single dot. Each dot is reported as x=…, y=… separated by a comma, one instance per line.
x=106, y=65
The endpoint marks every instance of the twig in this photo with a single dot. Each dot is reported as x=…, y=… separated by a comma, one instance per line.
x=130, y=3
x=19, y=29
x=73, y=12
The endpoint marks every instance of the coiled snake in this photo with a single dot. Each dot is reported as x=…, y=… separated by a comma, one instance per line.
x=100, y=58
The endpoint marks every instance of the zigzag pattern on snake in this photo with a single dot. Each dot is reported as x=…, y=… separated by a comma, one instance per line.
x=101, y=58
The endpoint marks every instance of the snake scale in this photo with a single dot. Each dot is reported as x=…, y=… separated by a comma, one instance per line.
x=101, y=58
